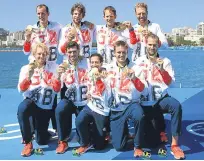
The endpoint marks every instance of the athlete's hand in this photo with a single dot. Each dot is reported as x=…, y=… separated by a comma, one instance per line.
x=28, y=35
x=104, y=74
x=145, y=33
x=128, y=24
x=31, y=68
x=160, y=63
x=61, y=69
x=88, y=95
x=131, y=74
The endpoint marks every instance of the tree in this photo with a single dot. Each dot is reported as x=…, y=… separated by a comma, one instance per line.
x=202, y=41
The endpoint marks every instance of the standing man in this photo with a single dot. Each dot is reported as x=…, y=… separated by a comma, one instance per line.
x=127, y=86
x=44, y=31
x=74, y=76
x=107, y=35
x=78, y=31
x=142, y=29
x=159, y=74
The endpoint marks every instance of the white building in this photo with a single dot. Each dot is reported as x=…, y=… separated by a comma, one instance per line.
x=182, y=31
x=200, y=28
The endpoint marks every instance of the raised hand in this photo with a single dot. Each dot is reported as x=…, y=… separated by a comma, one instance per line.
x=28, y=33
x=128, y=24
x=61, y=69
x=160, y=63
x=31, y=68
x=71, y=34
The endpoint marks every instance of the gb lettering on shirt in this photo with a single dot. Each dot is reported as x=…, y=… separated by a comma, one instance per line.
x=42, y=95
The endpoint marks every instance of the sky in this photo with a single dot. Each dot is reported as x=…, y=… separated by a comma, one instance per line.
x=15, y=15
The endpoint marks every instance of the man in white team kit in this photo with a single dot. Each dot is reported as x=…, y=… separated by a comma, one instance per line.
x=107, y=35
x=47, y=32
x=75, y=79
x=127, y=84
x=39, y=84
x=142, y=29
x=159, y=74
x=78, y=31
x=44, y=31
x=97, y=110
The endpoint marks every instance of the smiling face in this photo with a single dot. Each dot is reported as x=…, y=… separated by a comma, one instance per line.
x=121, y=53
x=40, y=56
x=141, y=14
x=42, y=15
x=95, y=62
x=152, y=47
x=73, y=55
x=109, y=17
x=77, y=16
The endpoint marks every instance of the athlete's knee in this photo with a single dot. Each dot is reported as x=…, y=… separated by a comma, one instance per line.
x=79, y=122
x=119, y=148
x=23, y=106
x=177, y=107
x=61, y=107
x=138, y=115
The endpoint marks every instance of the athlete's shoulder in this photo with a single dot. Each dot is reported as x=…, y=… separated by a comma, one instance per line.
x=55, y=24
x=24, y=68
x=100, y=27
x=155, y=25
x=141, y=60
x=89, y=25
x=165, y=59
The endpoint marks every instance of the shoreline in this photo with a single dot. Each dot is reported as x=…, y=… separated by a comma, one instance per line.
x=12, y=50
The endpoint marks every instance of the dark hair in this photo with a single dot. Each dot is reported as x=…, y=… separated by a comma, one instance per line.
x=72, y=44
x=110, y=8
x=120, y=43
x=43, y=5
x=97, y=55
x=80, y=7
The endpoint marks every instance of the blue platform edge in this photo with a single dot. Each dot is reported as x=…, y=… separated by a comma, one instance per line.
x=191, y=141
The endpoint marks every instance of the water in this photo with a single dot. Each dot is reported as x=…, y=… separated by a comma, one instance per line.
x=188, y=66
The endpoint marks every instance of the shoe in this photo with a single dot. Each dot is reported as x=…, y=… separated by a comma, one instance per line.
x=163, y=137
x=177, y=152
x=83, y=149
x=62, y=147
x=138, y=152
x=27, y=150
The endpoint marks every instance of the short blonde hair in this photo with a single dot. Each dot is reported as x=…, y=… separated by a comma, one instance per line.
x=39, y=45
x=153, y=36
x=141, y=5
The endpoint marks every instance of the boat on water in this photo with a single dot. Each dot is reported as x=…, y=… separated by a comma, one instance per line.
x=191, y=141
